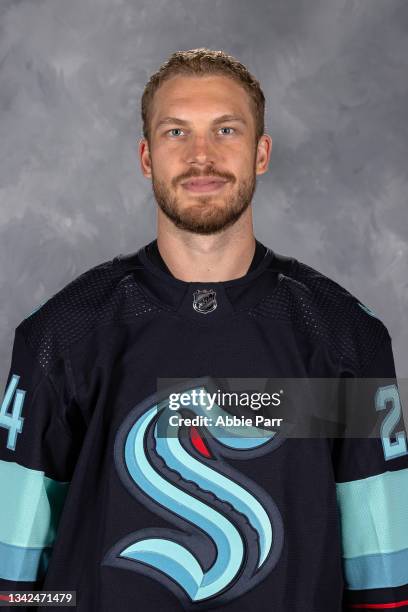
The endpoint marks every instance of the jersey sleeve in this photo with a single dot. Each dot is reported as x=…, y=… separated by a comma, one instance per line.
x=371, y=476
x=37, y=457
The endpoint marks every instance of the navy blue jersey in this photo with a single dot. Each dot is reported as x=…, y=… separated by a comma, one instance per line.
x=94, y=501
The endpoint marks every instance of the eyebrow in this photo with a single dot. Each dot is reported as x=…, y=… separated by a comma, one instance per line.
x=222, y=119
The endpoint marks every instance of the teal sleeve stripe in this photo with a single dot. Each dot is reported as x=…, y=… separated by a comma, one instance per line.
x=23, y=564
x=30, y=507
x=377, y=571
x=374, y=514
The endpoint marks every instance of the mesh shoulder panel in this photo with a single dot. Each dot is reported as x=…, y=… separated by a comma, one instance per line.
x=325, y=312
x=99, y=295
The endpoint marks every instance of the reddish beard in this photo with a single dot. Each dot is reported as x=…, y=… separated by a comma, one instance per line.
x=204, y=216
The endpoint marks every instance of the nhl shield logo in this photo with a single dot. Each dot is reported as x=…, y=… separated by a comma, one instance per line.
x=204, y=300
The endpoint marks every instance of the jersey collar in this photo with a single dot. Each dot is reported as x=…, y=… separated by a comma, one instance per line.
x=204, y=302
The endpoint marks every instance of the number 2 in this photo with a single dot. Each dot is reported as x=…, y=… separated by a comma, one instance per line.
x=397, y=448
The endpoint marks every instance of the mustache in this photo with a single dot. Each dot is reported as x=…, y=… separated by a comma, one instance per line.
x=194, y=173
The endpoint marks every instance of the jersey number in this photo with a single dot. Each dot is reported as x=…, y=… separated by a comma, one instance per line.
x=398, y=447
x=13, y=421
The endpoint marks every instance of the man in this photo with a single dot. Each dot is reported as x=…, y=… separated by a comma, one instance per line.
x=104, y=496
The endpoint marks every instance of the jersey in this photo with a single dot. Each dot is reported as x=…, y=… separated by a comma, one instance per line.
x=96, y=501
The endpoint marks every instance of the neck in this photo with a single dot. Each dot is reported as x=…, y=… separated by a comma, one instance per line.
x=213, y=258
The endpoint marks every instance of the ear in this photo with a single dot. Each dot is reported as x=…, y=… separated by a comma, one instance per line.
x=263, y=153
x=145, y=160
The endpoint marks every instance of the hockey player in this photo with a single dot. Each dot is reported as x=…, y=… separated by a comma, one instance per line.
x=100, y=497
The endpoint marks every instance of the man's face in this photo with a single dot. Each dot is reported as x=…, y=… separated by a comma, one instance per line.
x=202, y=157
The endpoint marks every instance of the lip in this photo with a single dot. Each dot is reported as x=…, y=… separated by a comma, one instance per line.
x=201, y=184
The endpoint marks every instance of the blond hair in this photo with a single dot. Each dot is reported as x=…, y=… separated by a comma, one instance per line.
x=200, y=62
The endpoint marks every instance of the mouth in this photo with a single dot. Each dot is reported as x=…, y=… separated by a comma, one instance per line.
x=204, y=184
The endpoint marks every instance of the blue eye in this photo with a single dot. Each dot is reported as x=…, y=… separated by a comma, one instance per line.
x=227, y=128
x=179, y=131
x=175, y=130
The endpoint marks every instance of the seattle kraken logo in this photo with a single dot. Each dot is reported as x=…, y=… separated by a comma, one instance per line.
x=229, y=532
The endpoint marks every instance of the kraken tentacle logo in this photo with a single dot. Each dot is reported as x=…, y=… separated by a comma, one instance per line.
x=229, y=532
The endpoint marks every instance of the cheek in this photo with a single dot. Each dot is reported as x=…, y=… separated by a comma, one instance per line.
x=163, y=165
x=240, y=157
x=245, y=168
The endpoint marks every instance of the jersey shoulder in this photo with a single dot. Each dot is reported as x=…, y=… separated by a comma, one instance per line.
x=101, y=294
x=325, y=311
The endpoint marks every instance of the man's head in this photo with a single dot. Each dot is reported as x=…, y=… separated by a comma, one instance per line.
x=203, y=120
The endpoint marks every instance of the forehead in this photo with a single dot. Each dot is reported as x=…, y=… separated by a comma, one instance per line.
x=187, y=96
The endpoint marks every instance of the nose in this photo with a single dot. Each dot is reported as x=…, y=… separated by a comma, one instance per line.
x=200, y=151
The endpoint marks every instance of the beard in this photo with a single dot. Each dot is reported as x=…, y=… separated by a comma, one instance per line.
x=205, y=216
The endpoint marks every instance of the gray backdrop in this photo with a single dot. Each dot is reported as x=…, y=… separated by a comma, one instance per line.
x=335, y=75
